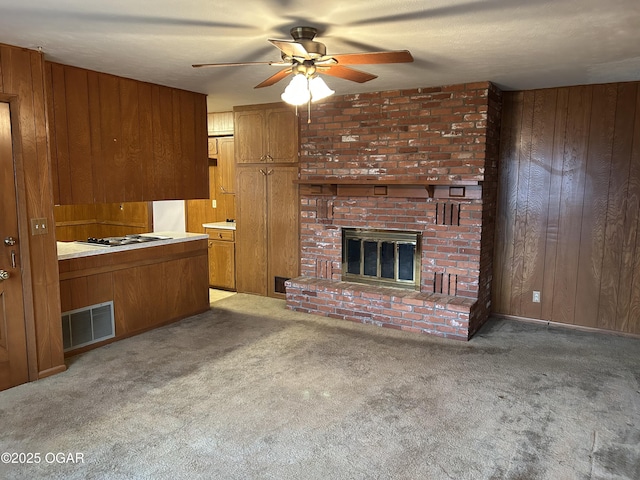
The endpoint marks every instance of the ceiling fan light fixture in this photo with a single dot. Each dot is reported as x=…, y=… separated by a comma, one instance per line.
x=319, y=89
x=297, y=92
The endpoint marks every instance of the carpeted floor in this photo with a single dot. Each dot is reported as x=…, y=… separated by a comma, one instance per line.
x=251, y=390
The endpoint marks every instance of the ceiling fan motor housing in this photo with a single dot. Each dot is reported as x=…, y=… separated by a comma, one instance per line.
x=304, y=36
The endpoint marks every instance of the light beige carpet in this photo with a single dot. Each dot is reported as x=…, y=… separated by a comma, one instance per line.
x=251, y=390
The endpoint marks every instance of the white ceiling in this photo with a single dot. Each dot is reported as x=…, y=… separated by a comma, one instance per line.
x=518, y=44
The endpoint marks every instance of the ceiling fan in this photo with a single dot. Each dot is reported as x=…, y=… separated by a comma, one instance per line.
x=305, y=58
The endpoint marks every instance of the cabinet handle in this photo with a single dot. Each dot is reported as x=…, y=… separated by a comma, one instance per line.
x=269, y=172
x=269, y=158
x=262, y=172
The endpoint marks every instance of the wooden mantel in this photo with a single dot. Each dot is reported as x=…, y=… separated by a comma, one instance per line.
x=414, y=188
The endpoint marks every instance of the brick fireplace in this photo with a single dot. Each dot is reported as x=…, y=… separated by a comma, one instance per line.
x=422, y=160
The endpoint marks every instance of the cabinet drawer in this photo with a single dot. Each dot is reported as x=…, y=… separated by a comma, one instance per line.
x=220, y=234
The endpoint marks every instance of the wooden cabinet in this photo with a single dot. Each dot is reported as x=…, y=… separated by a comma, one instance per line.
x=267, y=201
x=149, y=286
x=267, y=241
x=222, y=258
x=266, y=134
x=220, y=123
x=222, y=190
x=119, y=140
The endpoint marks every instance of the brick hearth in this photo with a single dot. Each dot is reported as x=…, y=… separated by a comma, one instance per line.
x=424, y=138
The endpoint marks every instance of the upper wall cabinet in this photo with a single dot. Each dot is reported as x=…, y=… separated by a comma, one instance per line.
x=119, y=140
x=266, y=134
x=220, y=123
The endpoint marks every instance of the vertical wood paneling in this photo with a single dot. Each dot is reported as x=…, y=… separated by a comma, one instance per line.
x=79, y=134
x=553, y=206
x=631, y=323
x=163, y=174
x=537, y=200
x=59, y=139
x=145, y=111
x=130, y=145
x=570, y=172
x=112, y=148
x=594, y=204
x=573, y=178
x=520, y=210
x=97, y=159
x=511, y=125
x=616, y=210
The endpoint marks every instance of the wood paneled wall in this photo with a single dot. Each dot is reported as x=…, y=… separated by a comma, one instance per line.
x=22, y=79
x=569, y=206
x=77, y=222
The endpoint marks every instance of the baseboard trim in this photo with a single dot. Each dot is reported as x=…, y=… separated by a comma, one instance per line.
x=570, y=326
x=51, y=371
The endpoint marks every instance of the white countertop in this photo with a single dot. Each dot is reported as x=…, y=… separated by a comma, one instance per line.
x=67, y=250
x=222, y=225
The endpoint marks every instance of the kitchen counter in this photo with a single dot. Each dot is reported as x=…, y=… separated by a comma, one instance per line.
x=68, y=250
x=222, y=225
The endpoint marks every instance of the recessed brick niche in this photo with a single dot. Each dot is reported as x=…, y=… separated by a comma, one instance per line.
x=420, y=160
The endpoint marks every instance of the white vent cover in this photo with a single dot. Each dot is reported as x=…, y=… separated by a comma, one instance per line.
x=87, y=325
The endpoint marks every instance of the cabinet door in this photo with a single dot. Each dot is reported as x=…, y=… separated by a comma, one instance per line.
x=249, y=135
x=225, y=180
x=220, y=123
x=281, y=136
x=222, y=267
x=69, y=114
x=226, y=164
x=283, y=228
x=251, y=231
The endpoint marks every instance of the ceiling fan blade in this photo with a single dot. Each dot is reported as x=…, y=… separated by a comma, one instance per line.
x=240, y=64
x=399, y=56
x=275, y=78
x=291, y=49
x=346, y=73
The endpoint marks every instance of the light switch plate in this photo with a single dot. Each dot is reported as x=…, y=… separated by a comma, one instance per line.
x=39, y=226
x=214, y=204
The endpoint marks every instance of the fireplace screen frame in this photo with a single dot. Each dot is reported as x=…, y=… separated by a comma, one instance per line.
x=395, y=237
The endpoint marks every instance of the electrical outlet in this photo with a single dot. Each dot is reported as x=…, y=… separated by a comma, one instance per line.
x=536, y=296
x=39, y=226
x=214, y=204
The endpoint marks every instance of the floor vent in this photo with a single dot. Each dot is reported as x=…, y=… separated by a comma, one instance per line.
x=87, y=325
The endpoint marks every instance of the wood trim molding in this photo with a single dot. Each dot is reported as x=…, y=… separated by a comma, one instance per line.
x=570, y=326
x=85, y=272
x=366, y=187
x=23, y=228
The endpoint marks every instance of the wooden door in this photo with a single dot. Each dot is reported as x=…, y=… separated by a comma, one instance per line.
x=13, y=344
x=281, y=136
x=249, y=135
x=251, y=230
x=283, y=230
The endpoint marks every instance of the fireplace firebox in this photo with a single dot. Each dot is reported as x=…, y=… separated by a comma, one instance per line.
x=381, y=257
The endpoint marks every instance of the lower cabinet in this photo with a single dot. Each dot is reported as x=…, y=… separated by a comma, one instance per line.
x=222, y=258
x=149, y=286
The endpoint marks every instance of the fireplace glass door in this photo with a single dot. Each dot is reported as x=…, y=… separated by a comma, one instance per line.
x=382, y=257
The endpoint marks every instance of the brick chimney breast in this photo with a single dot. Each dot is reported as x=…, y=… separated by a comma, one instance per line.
x=435, y=150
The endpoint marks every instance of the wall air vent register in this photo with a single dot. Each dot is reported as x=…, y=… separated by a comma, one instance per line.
x=87, y=325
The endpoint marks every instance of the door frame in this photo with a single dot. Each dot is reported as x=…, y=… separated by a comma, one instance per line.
x=23, y=232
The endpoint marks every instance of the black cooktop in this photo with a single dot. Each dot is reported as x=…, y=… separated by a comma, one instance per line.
x=119, y=241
